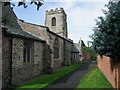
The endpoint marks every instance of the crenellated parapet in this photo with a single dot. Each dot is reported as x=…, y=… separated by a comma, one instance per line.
x=56, y=20
x=55, y=11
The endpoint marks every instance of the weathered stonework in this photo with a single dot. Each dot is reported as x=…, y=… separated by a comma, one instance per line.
x=15, y=70
x=55, y=63
x=67, y=53
x=17, y=57
x=32, y=28
x=61, y=21
x=65, y=46
x=6, y=60
x=75, y=57
x=30, y=50
x=29, y=69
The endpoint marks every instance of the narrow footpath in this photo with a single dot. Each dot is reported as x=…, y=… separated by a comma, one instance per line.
x=72, y=80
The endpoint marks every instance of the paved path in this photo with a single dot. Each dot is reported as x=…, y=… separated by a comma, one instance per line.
x=72, y=80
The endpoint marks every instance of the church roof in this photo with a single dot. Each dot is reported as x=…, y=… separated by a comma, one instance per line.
x=21, y=33
x=14, y=29
x=75, y=48
x=69, y=40
x=26, y=26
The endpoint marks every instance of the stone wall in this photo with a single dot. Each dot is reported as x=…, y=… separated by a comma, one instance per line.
x=55, y=63
x=46, y=59
x=110, y=69
x=22, y=71
x=34, y=29
x=75, y=57
x=39, y=31
x=67, y=52
x=61, y=21
x=17, y=61
x=15, y=71
x=64, y=45
x=6, y=60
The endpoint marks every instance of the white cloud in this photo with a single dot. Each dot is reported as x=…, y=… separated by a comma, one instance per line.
x=63, y=0
x=81, y=16
x=81, y=19
x=76, y=0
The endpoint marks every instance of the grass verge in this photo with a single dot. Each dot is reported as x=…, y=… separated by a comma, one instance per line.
x=94, y=79
x=45, y=80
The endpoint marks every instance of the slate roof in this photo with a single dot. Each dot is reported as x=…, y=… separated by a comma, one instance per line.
x=82, y=43
x=22, y=34
x=75, y=48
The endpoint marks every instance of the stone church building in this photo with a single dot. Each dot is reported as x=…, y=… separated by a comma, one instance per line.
x=28, y=50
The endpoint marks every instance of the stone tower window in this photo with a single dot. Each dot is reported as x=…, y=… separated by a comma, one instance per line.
x=56, y=48
x=28, y=51
x=53, y=21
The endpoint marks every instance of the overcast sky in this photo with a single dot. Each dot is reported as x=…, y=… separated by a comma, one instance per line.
x=81, y=15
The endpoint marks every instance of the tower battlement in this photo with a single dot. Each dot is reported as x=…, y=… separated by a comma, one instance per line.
x=56, y=20
x=55, y=11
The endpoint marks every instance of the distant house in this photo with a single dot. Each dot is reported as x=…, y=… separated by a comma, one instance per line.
x=77, y=54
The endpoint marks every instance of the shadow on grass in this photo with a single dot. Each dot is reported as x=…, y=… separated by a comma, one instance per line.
x=44, y=81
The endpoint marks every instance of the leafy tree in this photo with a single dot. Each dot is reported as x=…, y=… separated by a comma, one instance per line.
x=38, y=3
x=106, y=37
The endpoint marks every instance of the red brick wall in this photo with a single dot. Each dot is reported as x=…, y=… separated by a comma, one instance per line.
x=86, y=56
x=110, y=69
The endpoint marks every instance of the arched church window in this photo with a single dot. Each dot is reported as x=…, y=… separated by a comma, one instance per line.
x=56, y=48
x=53, y=21
x=28, y=51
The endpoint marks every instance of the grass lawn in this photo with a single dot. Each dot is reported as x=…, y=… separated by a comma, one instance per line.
x=45, y=80
x=94, y=79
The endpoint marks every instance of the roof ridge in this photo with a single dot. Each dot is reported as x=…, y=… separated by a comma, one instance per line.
x=31, y=23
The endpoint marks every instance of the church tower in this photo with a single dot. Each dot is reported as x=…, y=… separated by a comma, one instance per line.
x=56, y=20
